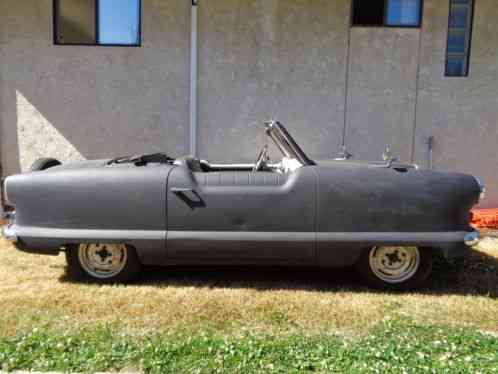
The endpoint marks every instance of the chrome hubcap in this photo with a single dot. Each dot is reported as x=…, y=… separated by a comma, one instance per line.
x=102, y=260
x=394, y=264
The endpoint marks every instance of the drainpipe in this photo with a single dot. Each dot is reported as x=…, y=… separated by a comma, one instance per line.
x=193, y=77
x=344, y=153
x=430, y=145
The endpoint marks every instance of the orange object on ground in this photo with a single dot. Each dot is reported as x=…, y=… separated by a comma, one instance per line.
x=485, y=218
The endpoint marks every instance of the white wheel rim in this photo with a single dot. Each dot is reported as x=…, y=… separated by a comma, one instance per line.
x=102, y=261
x=394, y=264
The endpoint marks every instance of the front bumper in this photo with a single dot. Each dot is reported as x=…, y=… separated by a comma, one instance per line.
x=472, y=238
x=9, y=229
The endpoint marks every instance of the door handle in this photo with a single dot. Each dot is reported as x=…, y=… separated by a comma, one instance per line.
x=179, y=190
x=189, y=196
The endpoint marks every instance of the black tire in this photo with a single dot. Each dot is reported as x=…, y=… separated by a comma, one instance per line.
x=44, y=164
x=420, y=276
x=75, y=269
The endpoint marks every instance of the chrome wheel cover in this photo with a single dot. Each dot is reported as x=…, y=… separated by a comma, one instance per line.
x=394, y=264
x=103, y=261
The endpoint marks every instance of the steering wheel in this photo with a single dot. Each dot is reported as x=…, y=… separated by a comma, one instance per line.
x=260, y=161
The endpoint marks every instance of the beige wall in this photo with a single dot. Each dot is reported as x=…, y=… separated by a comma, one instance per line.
x=264, y=59
x=382, y=90
x=258, y=59
x=72, y=102
x=460, y=113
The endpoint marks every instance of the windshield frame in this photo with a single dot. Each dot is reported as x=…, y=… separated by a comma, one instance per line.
x=286, y=143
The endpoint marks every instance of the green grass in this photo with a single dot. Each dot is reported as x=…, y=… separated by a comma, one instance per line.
x=248, y=320
x=392, y=347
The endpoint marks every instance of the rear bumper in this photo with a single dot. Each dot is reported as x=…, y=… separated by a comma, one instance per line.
x=9, y=233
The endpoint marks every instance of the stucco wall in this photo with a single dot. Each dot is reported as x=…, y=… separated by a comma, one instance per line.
x=89, y=102
x=264, y=59
x=258, y=59
x=382, y=89
x=460, y=113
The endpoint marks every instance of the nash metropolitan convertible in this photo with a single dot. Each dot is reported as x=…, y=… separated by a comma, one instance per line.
x=110, y=217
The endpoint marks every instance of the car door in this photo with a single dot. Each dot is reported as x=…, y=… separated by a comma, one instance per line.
x=241, y=216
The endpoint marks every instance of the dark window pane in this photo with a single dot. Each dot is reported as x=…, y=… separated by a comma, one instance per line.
x=119, y=22
x=368, y=12
x=459, y=35
x=456, y=41
x=455, y=66
x=403, y=12
x=459, y=15
x=76, y=22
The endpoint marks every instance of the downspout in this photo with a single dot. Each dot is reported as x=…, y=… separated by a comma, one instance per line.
x=417, y=89
x=343, y=153
x=346, y=89
x=430, y=145
x=194, y=75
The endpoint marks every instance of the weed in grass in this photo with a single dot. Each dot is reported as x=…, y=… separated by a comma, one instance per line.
x=393, y=346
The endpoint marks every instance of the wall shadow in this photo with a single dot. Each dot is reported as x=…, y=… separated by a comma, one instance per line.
x=476, y=275
x=9, y=148
x=102, y=101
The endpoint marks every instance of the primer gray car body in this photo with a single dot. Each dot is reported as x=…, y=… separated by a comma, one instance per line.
x=188, y=211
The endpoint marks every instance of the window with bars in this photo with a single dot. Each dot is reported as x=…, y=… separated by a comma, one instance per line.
x=97, y=22
x=459, y=38
x=388, y=13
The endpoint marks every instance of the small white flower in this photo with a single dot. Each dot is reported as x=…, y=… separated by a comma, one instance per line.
x=445, y=357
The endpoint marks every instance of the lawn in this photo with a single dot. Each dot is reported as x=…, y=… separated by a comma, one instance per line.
x=247, y=320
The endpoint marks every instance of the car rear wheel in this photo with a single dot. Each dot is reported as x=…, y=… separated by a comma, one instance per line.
x=103, y=263
x=44, y=164
x=395, y=267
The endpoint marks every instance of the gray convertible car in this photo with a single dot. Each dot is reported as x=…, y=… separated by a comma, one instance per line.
x=110, y=217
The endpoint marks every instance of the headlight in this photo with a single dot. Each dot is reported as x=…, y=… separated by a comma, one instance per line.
x=3, y=193
x=482, y=186
x=4, y=190
x=5, y=197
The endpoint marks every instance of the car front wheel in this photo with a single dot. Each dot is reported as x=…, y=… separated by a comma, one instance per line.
x=396, y=267
x=103, y=263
